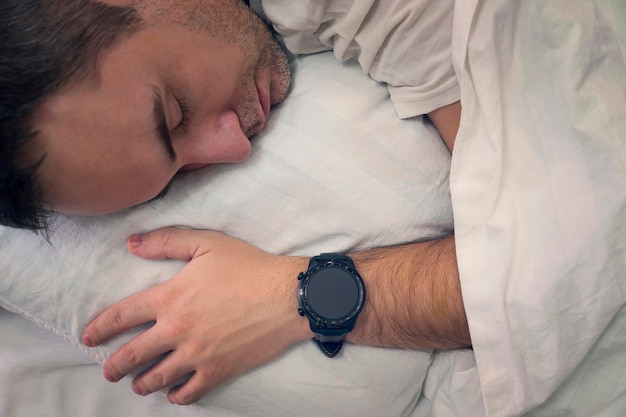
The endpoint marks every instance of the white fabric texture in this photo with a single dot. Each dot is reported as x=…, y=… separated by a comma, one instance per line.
x=335, y=169
x=41, y=375
x=405, y=44
x=539, y=197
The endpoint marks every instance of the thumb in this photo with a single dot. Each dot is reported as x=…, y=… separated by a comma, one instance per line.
x=173, y=243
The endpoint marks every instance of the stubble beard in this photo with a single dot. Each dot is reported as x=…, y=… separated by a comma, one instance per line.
x=274, y=58
x=234, y=22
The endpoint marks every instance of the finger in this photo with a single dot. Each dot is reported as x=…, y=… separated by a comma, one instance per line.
x=167, y=372
x=193, y=390
x=144, y=348
x=123, y=316
x=174, y=243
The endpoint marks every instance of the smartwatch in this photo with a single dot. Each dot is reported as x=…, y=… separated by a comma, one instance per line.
x=331, y=294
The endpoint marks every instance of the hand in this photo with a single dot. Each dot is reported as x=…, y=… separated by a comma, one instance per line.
x=232, y=308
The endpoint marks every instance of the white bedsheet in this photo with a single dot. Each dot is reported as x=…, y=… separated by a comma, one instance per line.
x=41, y=375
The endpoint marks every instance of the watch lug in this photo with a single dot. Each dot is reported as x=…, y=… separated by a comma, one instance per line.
x=330, y=349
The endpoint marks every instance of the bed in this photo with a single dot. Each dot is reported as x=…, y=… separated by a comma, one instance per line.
x=535, y=193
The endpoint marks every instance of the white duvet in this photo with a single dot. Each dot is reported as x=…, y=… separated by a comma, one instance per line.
x=539, y=194
x=538, y=186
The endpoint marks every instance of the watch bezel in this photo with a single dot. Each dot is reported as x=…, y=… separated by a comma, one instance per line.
x=341, y=325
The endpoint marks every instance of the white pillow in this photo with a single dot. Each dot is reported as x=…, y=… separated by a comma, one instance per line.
x=334, y=170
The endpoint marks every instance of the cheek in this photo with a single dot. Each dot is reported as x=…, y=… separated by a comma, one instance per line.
x=110, y=192
x=134, y=179
x=144, y=187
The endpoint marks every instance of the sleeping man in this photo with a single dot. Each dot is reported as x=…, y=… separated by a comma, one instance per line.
x=101, y=114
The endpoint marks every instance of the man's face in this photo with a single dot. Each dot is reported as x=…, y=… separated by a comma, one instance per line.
x=186, y=91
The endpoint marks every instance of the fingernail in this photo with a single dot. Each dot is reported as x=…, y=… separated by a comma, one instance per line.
x=136, y=389
x=87, y=340
x=108, y=376
x=136, y=240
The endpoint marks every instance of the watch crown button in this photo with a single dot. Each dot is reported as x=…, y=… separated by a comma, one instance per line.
x=300, y=276
x=301, y=312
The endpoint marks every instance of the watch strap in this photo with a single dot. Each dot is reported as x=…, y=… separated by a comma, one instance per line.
x=330, y=344
x=330, y=256
x=330, y=349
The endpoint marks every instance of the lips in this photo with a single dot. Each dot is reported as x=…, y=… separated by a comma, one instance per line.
x=265, y=103
x=253, y=112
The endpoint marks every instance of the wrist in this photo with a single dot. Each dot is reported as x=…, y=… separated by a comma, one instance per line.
x=367, y=330
x=331, y=296
x=296, y=326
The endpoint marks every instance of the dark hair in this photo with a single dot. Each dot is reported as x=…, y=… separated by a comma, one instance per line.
x=44, y=45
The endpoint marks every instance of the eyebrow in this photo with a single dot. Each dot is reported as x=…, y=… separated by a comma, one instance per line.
x=162, y=131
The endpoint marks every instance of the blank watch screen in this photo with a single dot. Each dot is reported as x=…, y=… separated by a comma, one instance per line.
x=332, y=293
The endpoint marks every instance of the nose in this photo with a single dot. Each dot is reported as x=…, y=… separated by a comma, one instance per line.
x=217, y=139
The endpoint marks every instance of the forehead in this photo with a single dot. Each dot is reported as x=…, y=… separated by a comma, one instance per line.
x=227, y=19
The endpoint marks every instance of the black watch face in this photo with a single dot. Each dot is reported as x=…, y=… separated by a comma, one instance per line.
x=332, y=293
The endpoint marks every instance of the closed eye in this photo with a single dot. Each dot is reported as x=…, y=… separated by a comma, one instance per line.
x=185, y=113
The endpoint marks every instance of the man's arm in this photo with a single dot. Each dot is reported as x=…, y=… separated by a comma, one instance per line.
x=234, y=307
x=414, y=297
x=447, y=120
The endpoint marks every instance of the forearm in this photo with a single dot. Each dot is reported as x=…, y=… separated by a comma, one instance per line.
x=234, y=307
x=447, y=120
x=413, y=297
x=413, y=291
